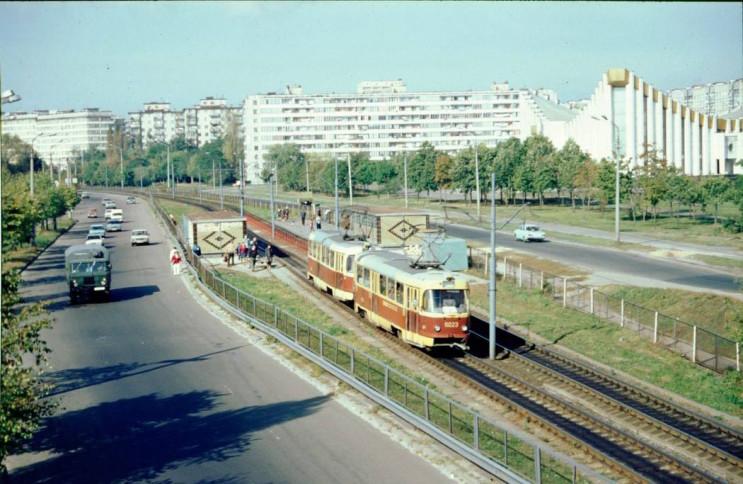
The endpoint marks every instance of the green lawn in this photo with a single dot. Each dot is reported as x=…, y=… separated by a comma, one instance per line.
x=616, y=347
x=21, y=256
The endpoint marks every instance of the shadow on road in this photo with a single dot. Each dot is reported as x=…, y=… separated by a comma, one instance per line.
x=139, y=439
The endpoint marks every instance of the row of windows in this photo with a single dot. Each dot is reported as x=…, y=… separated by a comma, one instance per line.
x=387, y=286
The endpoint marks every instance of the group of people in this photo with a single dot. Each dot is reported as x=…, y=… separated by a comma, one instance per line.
x=248, y=248
x=283, y=213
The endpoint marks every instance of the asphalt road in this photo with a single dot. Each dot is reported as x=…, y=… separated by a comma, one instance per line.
x=153, y=388
x=609, y=264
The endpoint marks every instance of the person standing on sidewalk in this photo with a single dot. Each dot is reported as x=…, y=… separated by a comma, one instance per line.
x=253, y=255
x=269, y=256
x=175, y=261
x=303, y=216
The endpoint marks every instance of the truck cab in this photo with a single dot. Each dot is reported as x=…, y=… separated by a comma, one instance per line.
x=88, y=271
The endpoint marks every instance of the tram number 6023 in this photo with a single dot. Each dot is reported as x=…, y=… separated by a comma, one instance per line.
x=451, y=324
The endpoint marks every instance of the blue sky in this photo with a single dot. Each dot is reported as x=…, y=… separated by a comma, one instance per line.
x=117, y=56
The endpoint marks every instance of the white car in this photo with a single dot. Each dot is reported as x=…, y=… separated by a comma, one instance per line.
x=529, y=233
x=94, y=239
x=140, y=237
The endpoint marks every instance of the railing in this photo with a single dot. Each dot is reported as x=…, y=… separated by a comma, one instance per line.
x=501, y=452
x=698, y=344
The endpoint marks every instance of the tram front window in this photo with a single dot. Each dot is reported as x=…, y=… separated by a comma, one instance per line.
x=446, y=301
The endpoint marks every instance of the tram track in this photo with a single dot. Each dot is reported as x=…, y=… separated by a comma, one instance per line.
x=616, y=423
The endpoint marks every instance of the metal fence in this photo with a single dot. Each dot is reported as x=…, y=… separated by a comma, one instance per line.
x=697, y=344
x=504, y=453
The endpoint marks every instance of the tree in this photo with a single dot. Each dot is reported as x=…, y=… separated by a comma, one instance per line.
x=586, y=182
x=19, y=212
x=443, y=177
x=570, y=161
x=651, y=177
x=714, y=191
x=422, y=169
x=538, y=174
x=509, y=155
x=289, y=162
x=678, y=190
x=463, y=172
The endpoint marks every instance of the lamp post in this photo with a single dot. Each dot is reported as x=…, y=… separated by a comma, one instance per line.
x=336, y=192
x=491, y=289
x=405, y=170
x=350, y=180
x=617, y=192
x=31, y=167
x=273, y=212
x=477, y=184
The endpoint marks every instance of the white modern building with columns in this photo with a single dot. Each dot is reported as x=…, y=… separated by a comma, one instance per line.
x=628, y=116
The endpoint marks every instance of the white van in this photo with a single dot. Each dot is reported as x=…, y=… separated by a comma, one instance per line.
x=117, y=215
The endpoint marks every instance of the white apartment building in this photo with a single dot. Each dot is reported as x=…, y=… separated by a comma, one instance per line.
x=209, y=120
x=156, y=123
x=60, y=136
x=627, y=115
x=714, y=99
x=379, y=120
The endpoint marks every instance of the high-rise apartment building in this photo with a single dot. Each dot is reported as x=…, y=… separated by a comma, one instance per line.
x=382, y=120
x=59, y=136
x=210, y=120
x=156, y=123
x=715, y=99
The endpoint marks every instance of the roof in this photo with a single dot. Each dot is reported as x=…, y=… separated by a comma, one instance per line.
x=392, y=264
x=734, y=114
x=218, y=216
x=553, y=111
x=380, y=210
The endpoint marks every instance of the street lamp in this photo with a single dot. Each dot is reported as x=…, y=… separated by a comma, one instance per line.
x=9, y=96
x=405, y=170
x=31, y=167
x=350, y=180
x=477, y=184
x=617, y=194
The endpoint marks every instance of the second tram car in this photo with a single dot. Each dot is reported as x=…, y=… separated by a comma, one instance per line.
x=330, y=262
x=424, y=307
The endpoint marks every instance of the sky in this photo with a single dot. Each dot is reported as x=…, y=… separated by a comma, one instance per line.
x=117, y=56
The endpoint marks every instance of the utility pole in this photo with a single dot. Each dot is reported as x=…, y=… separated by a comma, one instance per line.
x=491, y=289
x=350, y=180
x=336, y=192
x=477, y=184
x=405, y=160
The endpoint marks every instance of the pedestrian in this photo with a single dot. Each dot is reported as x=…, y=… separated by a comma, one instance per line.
x=172, y=219
x=175, y=261
x=242, y=252
x=286, y=213
x=269, y=256
x=318, y=220
x=253, y=255
x=303, y=216
x=230, y=254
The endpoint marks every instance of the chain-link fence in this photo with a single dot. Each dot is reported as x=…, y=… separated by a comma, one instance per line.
x=699, y=345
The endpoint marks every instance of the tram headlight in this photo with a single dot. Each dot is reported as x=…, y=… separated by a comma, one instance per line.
x=465, y=328
x=74, y=282
x=437, y=328
x=103, y=281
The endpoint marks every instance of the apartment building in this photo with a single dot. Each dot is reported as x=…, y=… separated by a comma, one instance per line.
x=714, y=99
x=382, y=119
x=210, y=120
x=156, y=123
x=59, y=136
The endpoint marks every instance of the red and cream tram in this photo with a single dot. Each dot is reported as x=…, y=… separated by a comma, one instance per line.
x=424, y=307
x=330, y=262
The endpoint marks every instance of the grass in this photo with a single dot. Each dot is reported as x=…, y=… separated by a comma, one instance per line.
x=720, y=261
x=177, y=209
x=18, y=258
x=719, y=314
x=616, y=347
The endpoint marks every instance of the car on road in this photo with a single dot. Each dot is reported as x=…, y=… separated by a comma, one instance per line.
x=92, y=213
x=98, y=229
x=131, y=200
x=94, y=239
x=84, y=195
x=113, y=226
x=140, y=237
x=529, y=233
x=104, y=201
x=110, y=204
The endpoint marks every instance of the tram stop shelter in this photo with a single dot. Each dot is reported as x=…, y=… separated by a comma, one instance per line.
x=214, y=231
x=384, y=226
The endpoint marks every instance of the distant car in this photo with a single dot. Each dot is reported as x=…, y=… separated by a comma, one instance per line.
x=131, y=200
x=113, y=226
x=104, y=201
x=94, y=239
x=97, y=229
x=140, y=237
x=92, y=213
x=84, y=195
x=529, y=233
x=107, y=213
x=110, y=204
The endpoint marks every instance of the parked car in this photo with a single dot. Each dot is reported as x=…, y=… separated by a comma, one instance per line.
x=113, y=226
x=131, y=200
x=98, y=229
x=529, y=233
x=94, y=239
x=92, y=213
x=140, y=237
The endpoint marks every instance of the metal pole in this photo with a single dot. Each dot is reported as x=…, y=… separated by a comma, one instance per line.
x=221, y=191
x=199, y=184
x=336, y=192
x=350, y=180
x=121, y=166
x=167, y=174
x=491, y=289
x=242, y=187
x=617, y=194
x=477, y=184
x=273, y=212
x=405, y=165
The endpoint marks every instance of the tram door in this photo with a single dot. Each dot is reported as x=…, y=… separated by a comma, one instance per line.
x=413, y=301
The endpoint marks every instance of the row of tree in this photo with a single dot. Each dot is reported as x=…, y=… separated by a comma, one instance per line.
x=531, y=168
x=22, y=392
